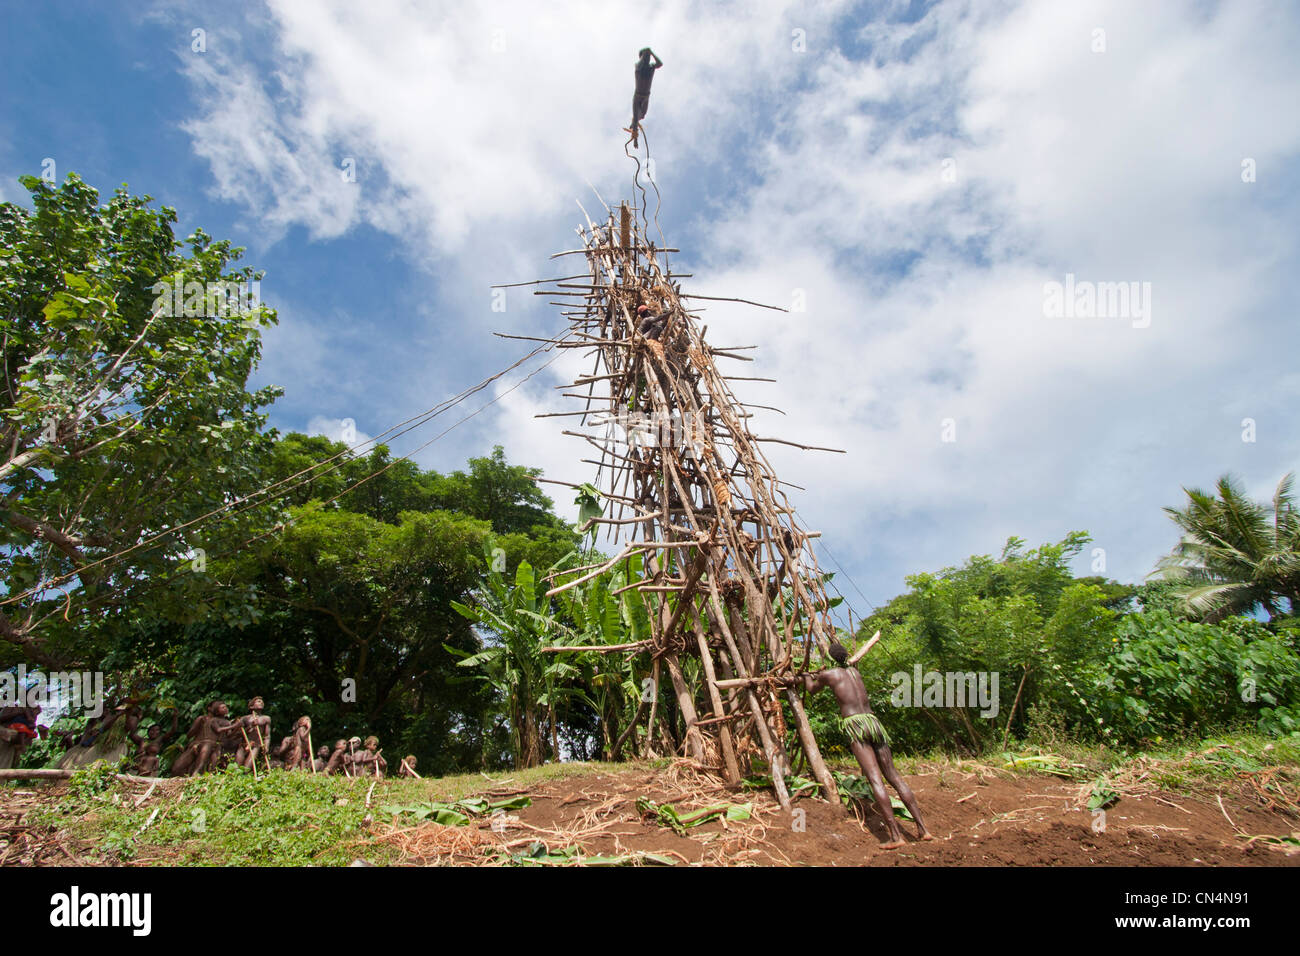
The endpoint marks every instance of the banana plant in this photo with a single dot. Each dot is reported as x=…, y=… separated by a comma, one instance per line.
x=518, y=624
x=595, y=615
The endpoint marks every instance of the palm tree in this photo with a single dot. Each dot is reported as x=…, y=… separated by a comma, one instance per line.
x=1236, y=554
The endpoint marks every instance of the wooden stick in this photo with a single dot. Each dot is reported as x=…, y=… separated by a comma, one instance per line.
x=694, y=739
x=511, y=285
x=715, y=698
x=861, y=651
x=782, y=441
x=812, y=751
x=598, y=648
x=716, y=298
x=249, y=744
x=54, y=774
x=745, y=681
x=654, y=708
x=625, y=553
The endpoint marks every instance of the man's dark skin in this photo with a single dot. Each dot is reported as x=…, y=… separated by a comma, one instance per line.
x=851, y=694
x=255, y=738
x=645, y=74
x=293, y=750
x=369, y=761
x=149, y=748
x=207, y=736
x=335, y=762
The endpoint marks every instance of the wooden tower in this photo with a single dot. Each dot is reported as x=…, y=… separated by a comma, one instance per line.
x=729, y=575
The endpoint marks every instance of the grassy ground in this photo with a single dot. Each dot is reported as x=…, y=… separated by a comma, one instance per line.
x=280, y=819
x=231, y=819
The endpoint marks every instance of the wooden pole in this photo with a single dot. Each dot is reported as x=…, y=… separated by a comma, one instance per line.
x=715, y=697
x=249, y=745
x=694, y=740
x=862, y=651
x=654, y=708
x=42, y=773
x=811, y=750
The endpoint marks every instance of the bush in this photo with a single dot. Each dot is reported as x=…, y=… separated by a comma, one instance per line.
x=1168, y=677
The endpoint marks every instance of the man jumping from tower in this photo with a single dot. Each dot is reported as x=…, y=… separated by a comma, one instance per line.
x=645, y=74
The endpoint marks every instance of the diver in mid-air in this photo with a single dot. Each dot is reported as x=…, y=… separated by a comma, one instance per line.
x=645, y=74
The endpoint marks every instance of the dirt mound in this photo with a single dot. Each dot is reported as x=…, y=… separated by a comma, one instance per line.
x=1019, y=821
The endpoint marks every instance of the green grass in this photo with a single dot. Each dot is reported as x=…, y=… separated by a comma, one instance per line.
x=1181, y=765
x=281, y=819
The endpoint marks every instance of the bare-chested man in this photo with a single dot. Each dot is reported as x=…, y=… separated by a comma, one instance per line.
x=370, y=761
x=207, y=735
x=255, y=736
x=337, y=756
x=148, y=749
x=645, y=74
x=295, y=750
x=868, y=739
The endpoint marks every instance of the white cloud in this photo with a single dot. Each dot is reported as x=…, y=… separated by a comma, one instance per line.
x=341, y=429
x=822, y=172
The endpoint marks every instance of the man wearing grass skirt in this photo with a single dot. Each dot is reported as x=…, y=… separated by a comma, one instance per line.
x=868, y=739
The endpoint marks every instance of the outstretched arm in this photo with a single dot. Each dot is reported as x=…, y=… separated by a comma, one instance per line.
x=809, y=682
x=171, y=732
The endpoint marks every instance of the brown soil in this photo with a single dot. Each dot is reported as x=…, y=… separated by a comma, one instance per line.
x=1021, y=821
x=977, y=819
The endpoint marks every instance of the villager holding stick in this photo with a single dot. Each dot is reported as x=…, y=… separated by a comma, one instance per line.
x=407, y=767
x=370, y=760
x=256, y=727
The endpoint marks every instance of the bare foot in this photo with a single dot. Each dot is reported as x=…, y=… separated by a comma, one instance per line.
x=892, y=844
x=927, y=835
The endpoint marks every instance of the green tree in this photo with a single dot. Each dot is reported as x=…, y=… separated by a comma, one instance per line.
x=124, y=412
x=1236, y=555
x=374, y=600
x=1023, y=616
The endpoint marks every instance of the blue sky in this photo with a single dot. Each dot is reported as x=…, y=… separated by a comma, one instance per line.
x=915, y=172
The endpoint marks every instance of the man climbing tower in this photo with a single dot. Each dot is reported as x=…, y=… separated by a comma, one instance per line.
x=645, y=74
x=868, y=739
